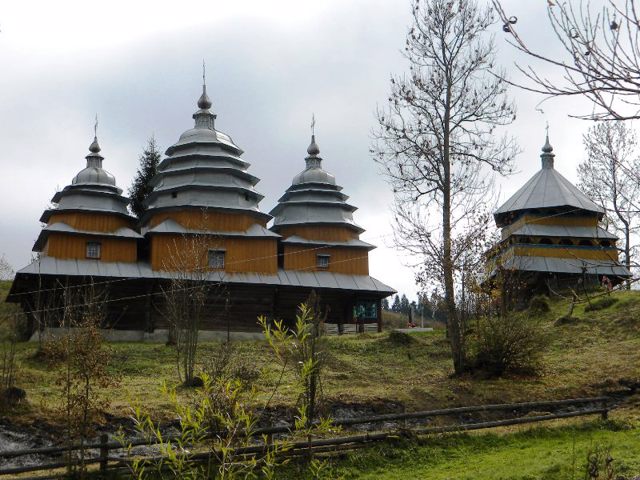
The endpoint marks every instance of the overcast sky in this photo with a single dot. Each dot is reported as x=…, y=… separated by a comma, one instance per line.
x=270, y=65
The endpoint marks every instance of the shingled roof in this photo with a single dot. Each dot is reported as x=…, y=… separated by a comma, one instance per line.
x=546, y=189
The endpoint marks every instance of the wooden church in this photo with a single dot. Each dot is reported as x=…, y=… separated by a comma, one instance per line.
x=551, y=235
x=202, y=221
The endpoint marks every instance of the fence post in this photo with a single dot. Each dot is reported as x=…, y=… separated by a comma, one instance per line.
x=104, y=454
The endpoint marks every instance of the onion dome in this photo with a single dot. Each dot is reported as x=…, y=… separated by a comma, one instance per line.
x=203, y=169
x=314, y=198
x=93, y=189
x=545, y=190
x=94, y=173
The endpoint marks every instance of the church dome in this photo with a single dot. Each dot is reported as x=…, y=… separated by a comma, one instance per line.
x=203, y=170
x=94, y=173
x=93, y=189
x=314, y=198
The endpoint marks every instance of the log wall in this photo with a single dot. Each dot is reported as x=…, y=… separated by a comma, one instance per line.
x=92, y=222
x=60, y=245
x=242, y=255
x=208, y=220
x=350, y=261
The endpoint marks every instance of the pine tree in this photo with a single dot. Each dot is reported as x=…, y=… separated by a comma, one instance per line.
x=385, y=304
x=404, y=304
x=141, y=186
x=396, y=304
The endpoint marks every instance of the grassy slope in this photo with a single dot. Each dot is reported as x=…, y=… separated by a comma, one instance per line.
x=584, y=358
x=538, y=453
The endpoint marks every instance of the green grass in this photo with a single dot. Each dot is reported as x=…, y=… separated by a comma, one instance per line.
x=585, y=357
x=540, y=453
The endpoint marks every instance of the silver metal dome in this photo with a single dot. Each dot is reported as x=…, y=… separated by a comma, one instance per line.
x=93, y=189
x=314, y=198
x=94, y=173
x=203, y=169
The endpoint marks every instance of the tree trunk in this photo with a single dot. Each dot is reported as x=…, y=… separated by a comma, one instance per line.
x=453, y=323
x=627, y=252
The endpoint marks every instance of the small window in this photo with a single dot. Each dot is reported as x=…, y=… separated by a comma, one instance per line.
x=545, y=241
x=174, y=194
x=322, y=261
x=586, y=243
x=565, y=241
x=605, y=243
x=93, y=249
x=366, y=310
x=216, y=259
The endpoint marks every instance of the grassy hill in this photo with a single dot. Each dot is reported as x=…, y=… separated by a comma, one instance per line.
x=587, y=356
x=596, y=352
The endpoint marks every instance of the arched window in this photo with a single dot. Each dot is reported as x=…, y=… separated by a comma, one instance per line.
x=546, y=241
x=565, y=241
x=586, y=243
x=605, y=243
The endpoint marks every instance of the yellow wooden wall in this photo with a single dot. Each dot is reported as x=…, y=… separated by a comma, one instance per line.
x=563, y=220
x=178, y=252
x=351, y=261
x=563, y=251
x=92, y=222
x=318, y=232
x=65, y=246
x=211, y=220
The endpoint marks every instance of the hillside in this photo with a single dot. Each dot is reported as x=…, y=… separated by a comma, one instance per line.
x=588, y=356
x=596, y=352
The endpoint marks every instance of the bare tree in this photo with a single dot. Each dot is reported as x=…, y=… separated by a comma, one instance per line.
x=6, y=271
x=85, y=369
x=187, y=296
x=436, y=141
x=598, y=55
x=608, y=177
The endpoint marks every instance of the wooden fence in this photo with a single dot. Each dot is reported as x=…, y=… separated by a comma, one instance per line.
x=105, y=462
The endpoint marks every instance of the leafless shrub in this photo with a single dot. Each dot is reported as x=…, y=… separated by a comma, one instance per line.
x=83, y=368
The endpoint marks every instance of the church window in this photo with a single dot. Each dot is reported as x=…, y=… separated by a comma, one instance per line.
x=322, y=261
x=93, y=250
x=365, y=310
x=216, y=259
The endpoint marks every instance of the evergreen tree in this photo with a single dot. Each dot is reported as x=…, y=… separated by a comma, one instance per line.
x=141, y=187
x=385, y=304
x=396, y=304
x=404, y=305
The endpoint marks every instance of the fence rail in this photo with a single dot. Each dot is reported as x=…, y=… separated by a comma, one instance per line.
x=598, y=406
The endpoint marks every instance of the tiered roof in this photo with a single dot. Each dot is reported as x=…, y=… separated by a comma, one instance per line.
x=92, y=190
x=546, y=189
x=203, y=170
x=314, y=198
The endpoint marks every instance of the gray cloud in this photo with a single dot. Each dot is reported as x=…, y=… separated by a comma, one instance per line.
x=265, y=79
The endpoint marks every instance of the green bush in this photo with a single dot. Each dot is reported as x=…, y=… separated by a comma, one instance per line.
x=539, y=304
x=601, y=304
x=510, y=344
x=400, y=338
